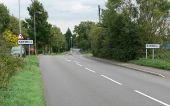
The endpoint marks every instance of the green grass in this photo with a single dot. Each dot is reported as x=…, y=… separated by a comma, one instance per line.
x=156, y=63
x=25, y=88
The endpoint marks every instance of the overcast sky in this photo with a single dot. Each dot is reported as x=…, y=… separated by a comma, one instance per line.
x=63, y=13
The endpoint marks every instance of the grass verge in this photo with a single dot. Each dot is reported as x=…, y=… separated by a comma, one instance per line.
x=25, y=87
x=156, y=63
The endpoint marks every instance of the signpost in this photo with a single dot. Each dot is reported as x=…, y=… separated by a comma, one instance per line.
x=153, y=47
x=25, y=42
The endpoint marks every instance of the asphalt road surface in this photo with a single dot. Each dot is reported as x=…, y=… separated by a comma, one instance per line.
x=73, y=80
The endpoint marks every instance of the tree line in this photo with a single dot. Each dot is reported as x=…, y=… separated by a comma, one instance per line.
x=125, y=28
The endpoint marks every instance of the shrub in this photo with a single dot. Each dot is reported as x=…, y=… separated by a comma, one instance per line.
x=8, y=66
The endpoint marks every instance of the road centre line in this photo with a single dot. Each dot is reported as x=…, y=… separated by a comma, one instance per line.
x=90, y=70
x=68, y=60
x=111, y=80
x=163, y=103
x=79, y=64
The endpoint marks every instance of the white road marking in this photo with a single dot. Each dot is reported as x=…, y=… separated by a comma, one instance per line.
x=76, y=62
x=163, y=103
x=68, y=60
x=112, y=80
x=79, y=64
x=90, y=70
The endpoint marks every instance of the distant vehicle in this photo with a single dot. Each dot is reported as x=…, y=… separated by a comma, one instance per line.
x=15, y=51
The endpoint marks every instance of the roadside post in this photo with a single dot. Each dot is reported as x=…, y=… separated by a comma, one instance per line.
x=153, y=47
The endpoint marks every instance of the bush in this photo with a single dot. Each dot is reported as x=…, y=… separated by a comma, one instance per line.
x=8, y=66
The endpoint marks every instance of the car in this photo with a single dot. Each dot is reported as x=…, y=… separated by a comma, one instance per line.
x=15, y=51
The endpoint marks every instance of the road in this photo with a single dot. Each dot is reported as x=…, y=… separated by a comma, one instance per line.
x=73, y=80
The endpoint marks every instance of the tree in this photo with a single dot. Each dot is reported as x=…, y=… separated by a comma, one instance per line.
x=68, y=36
x=121, y=40
x=57, y=40
x=13, y=26
x=152, y=20
x=83, y=30
x=10, y=38
x=42, y=26
x=4, y=21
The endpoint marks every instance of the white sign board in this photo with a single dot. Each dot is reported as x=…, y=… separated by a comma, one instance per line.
x=25, y=42
x=152, y=46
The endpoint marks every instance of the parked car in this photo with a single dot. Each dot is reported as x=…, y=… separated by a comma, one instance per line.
x=15, y=51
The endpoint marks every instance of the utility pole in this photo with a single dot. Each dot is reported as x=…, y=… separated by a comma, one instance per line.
x=19, y=5
x=99, y=13
x=35, y=36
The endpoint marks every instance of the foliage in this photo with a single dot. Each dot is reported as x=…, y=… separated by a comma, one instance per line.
x=8, y=66
x=25, y=88
x=13, y=26
x=4, y=17
x=82, y=31
x=68, y=38
x=10, y=38
x=125, y=29
x=57, y=39
x=152, y=19
x=4, y=21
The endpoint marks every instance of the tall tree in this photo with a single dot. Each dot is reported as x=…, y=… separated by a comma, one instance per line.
x=42, y=26
x=68, y=38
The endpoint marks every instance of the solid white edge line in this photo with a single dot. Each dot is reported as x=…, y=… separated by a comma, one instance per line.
x=112, y=80
x=90, y=70
x=163, y=103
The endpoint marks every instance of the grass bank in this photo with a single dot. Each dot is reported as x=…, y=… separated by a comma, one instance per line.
x=25, y=87
x=156, y=63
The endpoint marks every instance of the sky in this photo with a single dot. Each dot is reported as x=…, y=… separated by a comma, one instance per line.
x=62, y=13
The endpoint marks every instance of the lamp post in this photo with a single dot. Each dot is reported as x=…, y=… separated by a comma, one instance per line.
x=35, y=34
x=19, y=7
x=71, y=43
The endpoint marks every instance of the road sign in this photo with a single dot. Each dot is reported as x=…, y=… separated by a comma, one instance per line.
x=20, y=36
x=25, y=42
x=152, y=46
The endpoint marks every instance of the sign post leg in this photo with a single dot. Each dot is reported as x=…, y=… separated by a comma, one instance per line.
x=153, y=54
x=29, y=50
x=146, y=53
x=20, y=50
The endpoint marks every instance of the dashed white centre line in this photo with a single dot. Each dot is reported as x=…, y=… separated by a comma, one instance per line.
x=163, y=103
x=68, y=60
x=90, y=70
x=76, y=62
x=112, y=80
x=79, y=64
